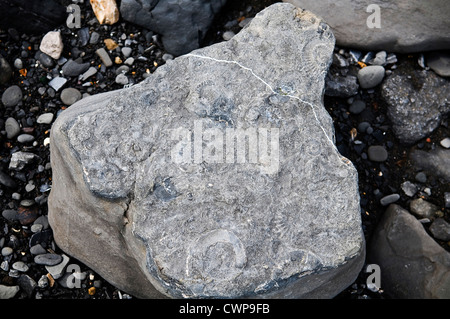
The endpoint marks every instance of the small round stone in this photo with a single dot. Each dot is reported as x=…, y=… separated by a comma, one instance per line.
x=121, y=79
x=45, y=118
x=370, y=76
x=377, y=153
x=70, y=95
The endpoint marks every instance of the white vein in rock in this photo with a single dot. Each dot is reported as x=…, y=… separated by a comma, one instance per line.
x=273, y=91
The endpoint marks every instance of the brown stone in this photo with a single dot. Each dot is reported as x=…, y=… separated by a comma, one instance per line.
x=106, y=11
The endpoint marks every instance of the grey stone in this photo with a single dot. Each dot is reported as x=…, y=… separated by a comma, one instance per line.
x=445, y=142
x=183, y=24
x=20, y=159
x=377, y=153
x=144, y=215
x=5, y=71
x=370, y=76
x=409, y=188
x=357, y=107
x=58, y=270
x=412, y=264
x=104, y=56
x=12, y=128
x=45, y=118
x=406, y=26
x=341, y=86
x=95, y=37
x=20, y=266
x=447, y=199
x=8, y=292
x=423, y=209
x=18, y=64
x=48, y=259
x=57, y=83
x=6, y=251
x=73, y=68
x=121, y=79
x=417, y=100
x=380, y=58
x=12, y=96
x=70, y=95
x=37, y=250
x=45, y=59
x=435, y=162
x=90, y=72
x=227, y=35
x=27, y=284
x=6, y=180
x=439, y=62
x=440, y=229
x=25, y=138
x=126, y=51
x=389, y=199
x=10, y=214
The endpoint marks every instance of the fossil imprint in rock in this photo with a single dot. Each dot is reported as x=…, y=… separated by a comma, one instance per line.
x=160, y=211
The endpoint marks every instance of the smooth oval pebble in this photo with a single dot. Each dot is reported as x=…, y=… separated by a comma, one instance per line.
x=70, y=95
x=48, y=259
x=389, y=199
x=6, y=251
x=12, y=128
x=377, y=153
x=20, y=266
x=25, y=138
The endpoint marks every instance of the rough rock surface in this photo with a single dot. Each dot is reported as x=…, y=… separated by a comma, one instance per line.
x=412, y=264
x=182, y=24
x=417, y=100
x=406, y=26
x=150, y=190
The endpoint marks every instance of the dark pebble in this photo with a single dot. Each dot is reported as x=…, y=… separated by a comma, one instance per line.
x=377, y=153
x=357, y=107
x=27, y=215
x=12, y=96
x=6, y=180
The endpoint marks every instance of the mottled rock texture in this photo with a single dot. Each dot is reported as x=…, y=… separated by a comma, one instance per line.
x=405, y=26
x=151, y=190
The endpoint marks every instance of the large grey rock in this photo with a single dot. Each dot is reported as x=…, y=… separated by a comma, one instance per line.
x=406, y=26
x=417, y=100
x=435, y=162
x=412, y=264
x=183, y=24
x=158, y=214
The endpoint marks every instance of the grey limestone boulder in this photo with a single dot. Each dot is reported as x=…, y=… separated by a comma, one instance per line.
x=215, y=177
x=182, y=24
x=405, y=26
x=412, y=264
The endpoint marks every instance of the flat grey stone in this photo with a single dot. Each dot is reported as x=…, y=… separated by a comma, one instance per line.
x=57, y=83
x=58, y=270
x=12, y=128
x=8, y=292
x=12, y=96
x=48, y=259
x=160, y=214
x=412, y=264
x=406, y=26
x=104, y=56
x=90, y=72
x=377, y=153
x=389, y=199
x=73, y=68
x=45, y=118
x=25, y=138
